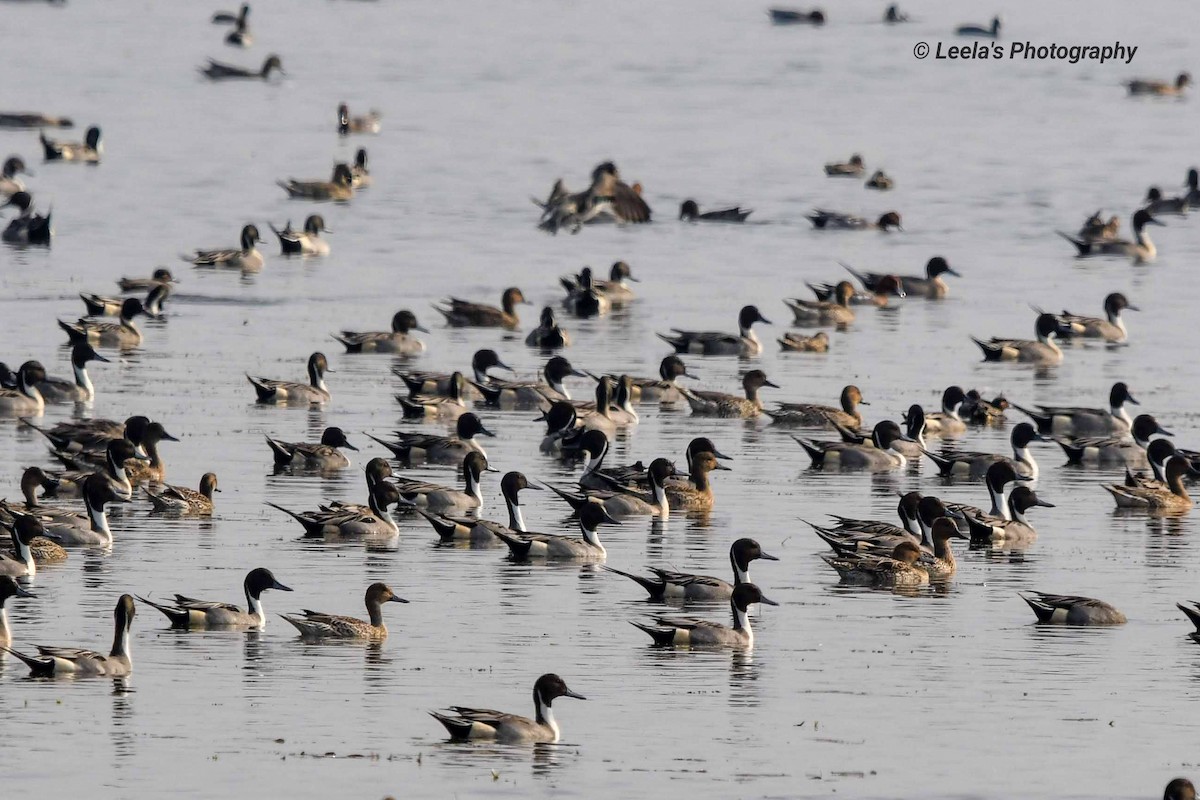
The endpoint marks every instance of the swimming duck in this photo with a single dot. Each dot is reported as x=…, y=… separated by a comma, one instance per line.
x=930, y=286
x=1096, y=229
x=189, y=613
x=450, y=406
x=815, y=415
x=466, y=314
x=33, y=478
x=183, y=499
x=21, y=563
x=10, y=184
x=340, y=187
x=548, y=335
x=481, y=723
x=817, y=312
x=1011, y=529
x=948, y=421
x=1160, y=88
x=123, y=333
x=691, y=212
x=376, y=470
x=1072, y=609
x=887, y=287
x=116, y=454
x=218, y=71
x=8, y=589
x=313, y=455
x=367, y=123
x=720, y=404
x=26, y=399
x=427, y=382
x=53, y=662
x=98, y=492
x=623, y=500
x=531, y=394
x=450, y=528
x=306, y=242
x=702, y=633
x=227, y=17
x=247, y=258
x=239, y=36
x=1193, y=187
x=1157, y=204
x=86, y=434
x=436, y=497
x=914, y=429
x=103, y=306
x=1158, y=452
x=80, y=390
x=1173, y=498
x=1042, y=351
x=1080, y=421
x=991, y=31
x=584, y=299
x=362, y=176
x=976, y=464
x=854, y=168
x=338, y=520
x=615, y=290
x=317, y=625
x=524, y=546
x=1180, y=789
x=607, y=199
x=941, y=565
x=1141, y=250
x=880, y=181
x=799, y=343
x=283, y=392
x=1115, y=449
x=794, y=16
x=879, y=455
x=978, y=411
x=1111, y=328
x=160, y=276
x=852, y=535
x=899, y=570
x=32, y=119
x=715, y=343
x=29, y=227
x=612, y=408
x=696, y=493
x=663, y=389
x=593, y=447
x=87, y=151
x=670, y=584
x=834, y=220
x=397, y=342
x=435, y=449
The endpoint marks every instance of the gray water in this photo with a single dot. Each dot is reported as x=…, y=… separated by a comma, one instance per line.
x=946, y=693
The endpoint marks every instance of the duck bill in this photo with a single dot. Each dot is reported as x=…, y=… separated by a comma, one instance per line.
x=1130, y=399
x=502, y=365
x=723, y=467
x=576, y=695
x=772, y=385
x=767, y=601
x=1041, y=502
x=98, y=357
x=486, y=432
x=394, y=599
x=349, y=446
x=280, y=587
x=719, y=454
x=609, y=518
x=166, y=437
x=768, y=557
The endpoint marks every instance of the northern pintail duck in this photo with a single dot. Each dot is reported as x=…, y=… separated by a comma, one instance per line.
x=450, y=406
x=347, y=520
x=123, y=333
x=32, y=479
x=799, y=343
x=1010, y=529
x=690, y=211
x=10, y=184
x=880, y=181
x=366, y=123
x=79, y=390
x=26, y=399
x=340, y=187
x=930, y=285
x=362, y=175
x=1072, y=609
x=823, y=219
x=979, y=411
x=436, y=497
x=1158, y=452
x=53, y=662
x=1193, y=187
x=948, y=421
x=98, y=492
x=396, y=342
x=230, y=17
x=531, y=394
x=189, y=613
x=434, y=449
x=879, y=455
x=184, y=499
x=247, y=258
x=1180, y=788
x=612, y=408
x=87, y=434
x=887, y=286
x=99, y=305
x=466, y=314
x=149, y=467
x=240, y=35
x=317, y=625
x=1096, y=229
x=703, y=633
x=664, y=388
x=696, y=493
x=794, y=16
x=914, y=428
x=815, y=415
x=668, y=584
x=988, y=31
x=305, y=242
x=313, y=455
x=315, y=392
x=1115, y=449
x=1110, y=328
x=427, y=382
x=1082, y=421
x=162, y=275
x=854, y=168
x=219, y=71
x=615, y=290
x=32, y=119
x=450, y=528
x=593, y=447
x=1160, y=88
x=117, y=454
x=87, y=151
x=824, y=312
x=1043, y=350
x=376, y=470
x=715, y=343
x=607, y=199
x=21, y=563
x=28, y=227
x=554, y=547
x=1156, y=203
x=1141, y=249
x=626, y=501
x=854, y=535
x=548, y=335
x=482, y=723
x=898, y=570
x=9, y=589
x=975, y=464
x=1173, y=497
x=941, y=565
x=721, y=404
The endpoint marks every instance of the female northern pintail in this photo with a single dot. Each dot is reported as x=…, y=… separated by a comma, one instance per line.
x=938, y=562
x=98, y=492
x=366, y=123
x=899, y=570
x=10, y=184
x=798, y=343
x=1141, y=250
x=1193, y=187
x=627, y=501
x=1160, y=88
x=434, y=449
x=823, y=219
x=450, y=528
x=482, y=723
x=32, y=119
x=28, y=227
x=563, y=548
x=824, y=312
x=189, y=613
x=313, y=455
x=794, y=16
x=21, y=563
x=690, y=211
x=1081, y=421
x=219, y=71
x=879, y=455
x=1156, y=203
x=880, y=181
x=109, y=334
x=227, y=17
x=79, y=390
x=1072, y=609
x=53, y=662
x=721, y=404
x=317, y=625
x=1043, y=351
x=240, y=35
x=930, y=285
x=466, y=314
x=1111, y=328
x=315, y=392
x=26, y=399
x=548, y=335
x=615, y=290
x=662, y=389
x=436, y=497
x=1096, y=229
x=305, y=242
x=527, y=394
x=703, y=633
x=32, y=479
x=8, y=589
x=152, y=468
x=990, y=31
x=814, y=415
x=102, y=306
x=87, y=151
x=885, y=287
x=397, y=342
x=183, y=499
x=448, y=407
x=669, y=584
x=695, y=494
x=1173, y=497
x=714, y=343
x=854, y=168
x=975, y=464
x=160, y=276
x=948, y=421
x=340, y=187
x=1011, y=529
x=349, y=520
x=426, y=382
x=362, y=176
x=607, y=199
x=247, y=258
x=1114, y=449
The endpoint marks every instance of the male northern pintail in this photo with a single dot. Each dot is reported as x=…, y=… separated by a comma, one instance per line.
x=29, y=227
x=70, y=483
x=715, y=343
x=436, y=497
x=10, y=184
x=98, y=305
x=219, y=71
x=975, y=464
x=898, y=570
x=887, y=286
x=721, y=404
x=435, y=449
x=695, y=493
x=799, y=343
x=362, y=176
x=626, y=501
x=914, y=429
x=53, y=662
x=794, y=16
x=690, y=211
x=531, y=394
x=240, y=35
x=1011, y=529
x=32, y=119
x=930, y=285
x=1173, y=497
x=466, y=314
x=703, y=633
x=9, y=588
x=815, y=415
x=1160, y=88
x=305, y=242
x=79, y=390
x=584, y=299
x=315, y=392
x=1043, y=351
x=879, y=455
x=523, y=546
x=32, y=479
x=21, y=563
x=88, y=151
x=189, y=613
x=397, y=342
x=1111, y=328
x=948, y=421
x=230, y=17
x=1192, y=611
x=854, y=168
x=340, y=187
x=907, y=508
x=612, y=408
x=1156, y=203
x=26, y=399
x=346, y=520
x=98, y=492
x=184, y=499
x=88, y=433
x=427, y=382
x=1081, y=421
x=313, y=455
x=1072, y=609
x=1193, y=187
x=160, y=276
x=989, y=31
x=874, y=536
x=247, y=258
x=449, y=407
x=317, y=625
x=1141, y=250
x=664, y=388
x=593, y=447
x=880, y=181
x=366, y=123
x=823, y=219
x=123, y=333
x=450, y=527
x=824, y=312
x=1115, y=449
x=615, y=289
x=607, y=199
x=979, y=411
x=548, y=335
x=668, y=584
x=465, y=723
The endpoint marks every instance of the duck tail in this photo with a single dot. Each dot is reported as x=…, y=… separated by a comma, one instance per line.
x=860, y=276
x=656, y=589
x=821, y=292
x=1045, y=422
x=282, y=453
x=815, y=453
x=991, y=352
x=179, y=616
x=443, y=527
x=828, y=537
x=74, y=332
x=577, y=500
x=399, y=450
x=517, y=546
x=278, y=233
x=38, y=667
x=264, y=390
x=457, y=727
x=1042, y=609
x=945, y=465
x=412, y=410
x=1074, y=452
x=310, y=527
x=1081, y=246
x=659, y=635
x=678, y=342
x=350, y=345
x=491, y=394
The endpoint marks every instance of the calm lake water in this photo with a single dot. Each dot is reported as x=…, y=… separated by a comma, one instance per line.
x=943, y=694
